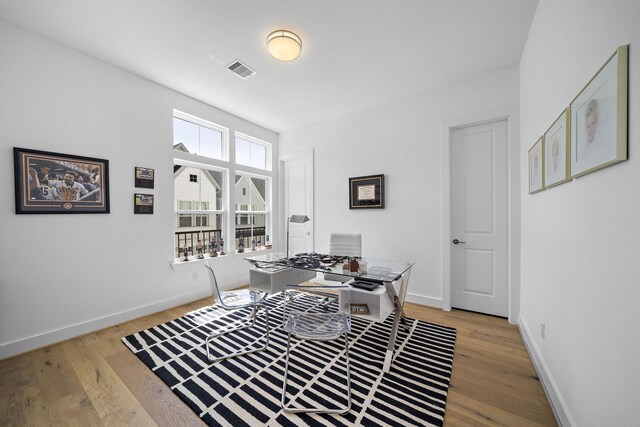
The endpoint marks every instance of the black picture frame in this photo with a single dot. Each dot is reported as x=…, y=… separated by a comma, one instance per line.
x=366, y=192
x=144, y=177
x=143, y=204
x=57, y=183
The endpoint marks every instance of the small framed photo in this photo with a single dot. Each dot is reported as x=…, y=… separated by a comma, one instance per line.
x=143, y=204
x=536, y=167
x=599, y=118
x=557, y=146
x=56, y=183
x=366, y=192
x=144, y=177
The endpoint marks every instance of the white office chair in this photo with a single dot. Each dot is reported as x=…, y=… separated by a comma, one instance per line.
x=344, y=244
x=320, y=322
x=236, y=300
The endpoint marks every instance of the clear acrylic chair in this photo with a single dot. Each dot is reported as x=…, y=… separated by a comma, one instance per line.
x=237, y=300
x=315, y=321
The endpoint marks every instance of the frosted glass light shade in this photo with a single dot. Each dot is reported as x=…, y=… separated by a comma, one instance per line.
x=284, y=45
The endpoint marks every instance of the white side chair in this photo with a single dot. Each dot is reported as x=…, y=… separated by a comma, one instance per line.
x=321, y=322
x=236, y=300
x=344, y=244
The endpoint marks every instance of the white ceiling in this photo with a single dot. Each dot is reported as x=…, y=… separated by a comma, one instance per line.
x=356, y=53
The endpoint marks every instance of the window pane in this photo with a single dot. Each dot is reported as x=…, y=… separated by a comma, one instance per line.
x=251, y=228
x=184, y=221
x=210, y=190
x=251, y=192
x=258, y=156
x=183, y=189
x=208, y=231
x=259, y=198
x=210, y=143
x=205, y=194
x=185, y=136
x=251, y=153
x=243, y=152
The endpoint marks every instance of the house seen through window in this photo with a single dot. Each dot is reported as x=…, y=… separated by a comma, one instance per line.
x=206, y=184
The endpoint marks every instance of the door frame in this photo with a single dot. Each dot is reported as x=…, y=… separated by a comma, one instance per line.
x=304, y=155
x=511, y=115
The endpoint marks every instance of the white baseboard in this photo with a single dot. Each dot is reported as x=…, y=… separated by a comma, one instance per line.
x=422, y=300
x=558, y=405
x=47, y=338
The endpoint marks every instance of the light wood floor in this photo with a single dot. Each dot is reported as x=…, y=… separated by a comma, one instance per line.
x=94, y=380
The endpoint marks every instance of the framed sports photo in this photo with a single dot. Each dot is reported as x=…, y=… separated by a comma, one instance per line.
x=56, y=183
x=143, y=204
x=366, y=192
x=599, y=118
x=144, y=177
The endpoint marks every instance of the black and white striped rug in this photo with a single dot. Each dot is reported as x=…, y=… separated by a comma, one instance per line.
x=246, y=390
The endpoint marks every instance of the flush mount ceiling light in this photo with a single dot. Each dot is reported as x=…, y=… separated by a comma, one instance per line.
x=284, y=45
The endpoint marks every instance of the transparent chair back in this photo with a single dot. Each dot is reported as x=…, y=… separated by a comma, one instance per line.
x=237, y=300
x=309, y=316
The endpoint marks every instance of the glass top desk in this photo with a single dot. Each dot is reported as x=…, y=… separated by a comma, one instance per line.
x=393, y=275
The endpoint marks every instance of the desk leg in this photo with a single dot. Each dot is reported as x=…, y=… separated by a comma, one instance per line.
x=398, y=317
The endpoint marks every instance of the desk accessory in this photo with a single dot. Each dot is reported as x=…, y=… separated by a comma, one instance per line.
x=363, y=284
x=360, y=309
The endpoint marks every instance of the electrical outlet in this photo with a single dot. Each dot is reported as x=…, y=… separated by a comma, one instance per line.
x=195, y=276
x=543, y=328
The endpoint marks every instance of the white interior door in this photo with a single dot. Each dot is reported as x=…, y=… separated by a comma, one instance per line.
x=297, y=191
x=479, y=218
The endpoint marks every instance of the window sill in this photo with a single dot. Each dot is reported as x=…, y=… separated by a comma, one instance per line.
x=179, y=265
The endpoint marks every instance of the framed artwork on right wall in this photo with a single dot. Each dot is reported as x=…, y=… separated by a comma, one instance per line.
x=557, y=151
x=536, y=167
x=599, y=118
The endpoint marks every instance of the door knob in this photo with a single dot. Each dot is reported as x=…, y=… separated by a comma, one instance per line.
x=308, y=233
x=456, y=241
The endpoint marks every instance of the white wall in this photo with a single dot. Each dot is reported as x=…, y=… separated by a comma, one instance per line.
x=402, y=139
x=63, y=275
x=580, y=269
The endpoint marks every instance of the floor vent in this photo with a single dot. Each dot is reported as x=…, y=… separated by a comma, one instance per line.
x=241, y=70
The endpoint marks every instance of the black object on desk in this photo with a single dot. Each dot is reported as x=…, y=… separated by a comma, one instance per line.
x=362, y=284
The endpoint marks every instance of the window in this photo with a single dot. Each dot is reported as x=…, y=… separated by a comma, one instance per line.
x=251, y=152
x=197, y=137
x=205, y=181
x=199, y=208
x=252, y=201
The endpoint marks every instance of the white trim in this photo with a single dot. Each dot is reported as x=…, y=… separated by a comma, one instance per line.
x=511, y=116
x=424, y=300
x=558, y=405
x=201, y=162
x=57, y=335
x=194, y=212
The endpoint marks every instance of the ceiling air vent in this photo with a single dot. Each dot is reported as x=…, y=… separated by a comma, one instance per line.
x=241, y=70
